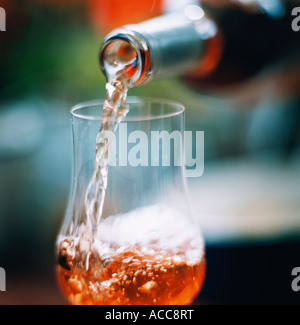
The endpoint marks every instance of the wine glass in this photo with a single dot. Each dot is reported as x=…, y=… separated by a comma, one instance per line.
x=146, y=248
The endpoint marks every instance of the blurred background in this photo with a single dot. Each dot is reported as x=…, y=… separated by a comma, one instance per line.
x=248, y=200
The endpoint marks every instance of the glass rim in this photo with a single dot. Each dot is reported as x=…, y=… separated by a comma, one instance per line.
x=77, y=110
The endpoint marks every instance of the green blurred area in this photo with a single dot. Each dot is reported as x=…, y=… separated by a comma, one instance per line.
x=51, y=45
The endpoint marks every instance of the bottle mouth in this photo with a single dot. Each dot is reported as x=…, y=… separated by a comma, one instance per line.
x=125, y=56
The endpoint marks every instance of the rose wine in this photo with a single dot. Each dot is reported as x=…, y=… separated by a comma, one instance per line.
x=164, y=266
x=132, y=278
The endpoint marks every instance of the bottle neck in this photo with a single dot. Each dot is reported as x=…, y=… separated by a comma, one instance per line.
x=172, y=44
x=114, y=55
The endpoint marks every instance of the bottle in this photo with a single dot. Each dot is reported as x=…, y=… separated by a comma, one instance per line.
x=171, y=44
x=213, y=47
